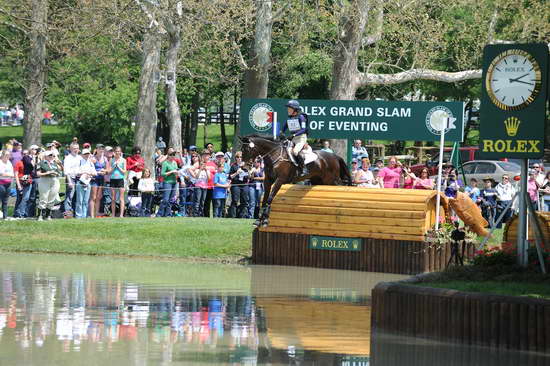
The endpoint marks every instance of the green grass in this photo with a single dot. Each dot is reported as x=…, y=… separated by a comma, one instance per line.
x=207, y=238
x=536, y=290
x=49, y=133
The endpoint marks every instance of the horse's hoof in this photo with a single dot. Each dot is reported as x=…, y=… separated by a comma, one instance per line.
x=265, y=223
x=257, y=223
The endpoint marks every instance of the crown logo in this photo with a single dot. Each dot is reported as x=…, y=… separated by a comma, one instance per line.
x=512, y=125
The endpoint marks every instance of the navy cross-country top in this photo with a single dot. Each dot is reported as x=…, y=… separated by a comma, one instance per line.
x=297, y=125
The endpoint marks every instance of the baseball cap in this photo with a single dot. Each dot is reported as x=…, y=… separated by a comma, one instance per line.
x=99, y=146
x=219, y=153
x=48, y=153
x=108, y=148
x=85, y=151
x=16, y=143
x=49, y=144
x=192, y=147
x=34, y=147
x=376, y=169
x=354, y=160
x=86, y=145
x=487, y=178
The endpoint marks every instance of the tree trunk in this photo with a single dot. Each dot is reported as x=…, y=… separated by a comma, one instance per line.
x=173, y=113
x=194, y=119
x=222, y=126
x=36, y=69
x=257, y=75
x=344, y=68
x=146, y=125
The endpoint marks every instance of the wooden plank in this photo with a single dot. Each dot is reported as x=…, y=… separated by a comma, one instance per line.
x=348, y=211
x=384, y=197
x=332, y=218
x=350, y=203
x=360, y=190
x=349, y=234
x=339, y=227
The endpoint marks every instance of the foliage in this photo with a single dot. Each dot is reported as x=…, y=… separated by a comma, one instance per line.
x=95, y=98
x=493, y=257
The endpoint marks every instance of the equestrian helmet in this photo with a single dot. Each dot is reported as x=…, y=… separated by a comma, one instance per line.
x=293, y=104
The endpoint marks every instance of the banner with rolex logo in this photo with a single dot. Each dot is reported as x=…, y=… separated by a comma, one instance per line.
x=513, y=101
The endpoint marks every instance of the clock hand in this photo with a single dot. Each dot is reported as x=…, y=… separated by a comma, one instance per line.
x=517, y=79
x=523, y=82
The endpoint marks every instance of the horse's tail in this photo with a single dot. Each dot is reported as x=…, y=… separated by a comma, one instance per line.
x=345, y=175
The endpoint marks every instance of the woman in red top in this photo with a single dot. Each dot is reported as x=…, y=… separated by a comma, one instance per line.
x=23, y=181
x=134, y=165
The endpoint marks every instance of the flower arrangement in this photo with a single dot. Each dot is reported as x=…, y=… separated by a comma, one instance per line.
x=506, y=254
x=443, y=235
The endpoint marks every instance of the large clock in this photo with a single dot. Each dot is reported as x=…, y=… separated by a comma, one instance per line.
x=513, y=79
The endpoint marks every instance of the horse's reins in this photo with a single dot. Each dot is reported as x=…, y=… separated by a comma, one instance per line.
x=280, y=154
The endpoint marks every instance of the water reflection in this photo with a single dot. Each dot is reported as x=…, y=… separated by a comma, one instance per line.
x=59, y=310
x=120, y=311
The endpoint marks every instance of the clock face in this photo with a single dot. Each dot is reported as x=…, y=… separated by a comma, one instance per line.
x=513, y=80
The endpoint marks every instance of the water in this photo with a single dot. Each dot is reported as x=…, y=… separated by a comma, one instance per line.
x=72, y=310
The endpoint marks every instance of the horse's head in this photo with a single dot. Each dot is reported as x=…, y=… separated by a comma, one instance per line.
x=249, y=148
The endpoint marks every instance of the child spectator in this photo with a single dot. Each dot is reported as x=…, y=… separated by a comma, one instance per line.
x=146, y=186
x=221, y=184
x=472, y=191
x=363, y=176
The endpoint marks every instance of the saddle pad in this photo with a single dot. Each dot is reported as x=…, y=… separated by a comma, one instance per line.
x=309, y=155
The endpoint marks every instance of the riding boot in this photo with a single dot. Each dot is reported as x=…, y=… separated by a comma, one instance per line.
x=40, y=214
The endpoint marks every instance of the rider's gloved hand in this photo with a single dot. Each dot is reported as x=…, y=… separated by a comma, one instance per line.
x=281, y=136
x=290, y=137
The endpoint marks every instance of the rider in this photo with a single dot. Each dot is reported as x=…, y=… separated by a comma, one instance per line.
x=297, y=125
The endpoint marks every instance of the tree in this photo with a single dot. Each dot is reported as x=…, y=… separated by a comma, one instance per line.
x=36, y=69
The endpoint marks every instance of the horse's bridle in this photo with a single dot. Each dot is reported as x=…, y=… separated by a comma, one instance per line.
x=279, y=158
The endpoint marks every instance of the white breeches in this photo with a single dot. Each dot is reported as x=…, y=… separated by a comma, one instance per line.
x=299, y=143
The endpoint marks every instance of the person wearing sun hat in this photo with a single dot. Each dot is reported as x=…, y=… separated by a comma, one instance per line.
x=49, y=172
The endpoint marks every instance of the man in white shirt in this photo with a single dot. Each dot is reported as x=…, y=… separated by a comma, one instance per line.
x=506, y=193
x=71, y=167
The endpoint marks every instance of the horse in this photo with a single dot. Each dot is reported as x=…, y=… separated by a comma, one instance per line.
x=327, y=169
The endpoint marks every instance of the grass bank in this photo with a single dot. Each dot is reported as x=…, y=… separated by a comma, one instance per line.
x=190, y=238
x=500, y=280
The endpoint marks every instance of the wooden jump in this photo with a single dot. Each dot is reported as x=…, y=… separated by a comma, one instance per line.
x=387, y=224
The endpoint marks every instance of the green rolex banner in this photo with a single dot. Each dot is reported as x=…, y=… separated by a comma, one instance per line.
x=378, y=120
x=513, y=101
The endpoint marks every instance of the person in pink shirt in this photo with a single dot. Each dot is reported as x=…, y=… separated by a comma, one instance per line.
x=392, y=173
x=533, y=188
x=424, y=182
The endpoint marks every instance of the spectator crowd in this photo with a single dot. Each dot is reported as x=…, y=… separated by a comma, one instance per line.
x=85, y=181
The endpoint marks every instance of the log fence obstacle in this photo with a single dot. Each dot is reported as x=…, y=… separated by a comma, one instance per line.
x=374, y=230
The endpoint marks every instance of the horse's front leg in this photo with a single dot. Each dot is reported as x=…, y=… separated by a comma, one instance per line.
x=273, y=192
x=263, y=207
